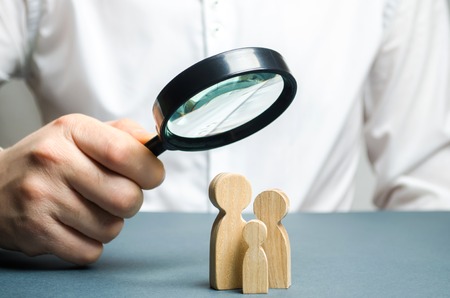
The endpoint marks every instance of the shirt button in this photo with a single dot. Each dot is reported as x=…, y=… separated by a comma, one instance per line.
x=217, y=30
x=214, y=4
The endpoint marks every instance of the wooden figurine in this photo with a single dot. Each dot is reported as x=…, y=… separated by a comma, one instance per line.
x=271, y=207
x=255, y=274
x=231, y=194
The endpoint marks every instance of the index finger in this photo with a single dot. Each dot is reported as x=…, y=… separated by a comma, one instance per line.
x=116, y=150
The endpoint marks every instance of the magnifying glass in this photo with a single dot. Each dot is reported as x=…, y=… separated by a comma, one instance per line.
x=222, y=99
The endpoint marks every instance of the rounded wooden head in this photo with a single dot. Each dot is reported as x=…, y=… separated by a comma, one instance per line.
x=271, y=205
x=255, y=232
x=230, y=192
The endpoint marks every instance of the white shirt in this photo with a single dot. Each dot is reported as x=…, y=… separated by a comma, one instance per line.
x=367, y=71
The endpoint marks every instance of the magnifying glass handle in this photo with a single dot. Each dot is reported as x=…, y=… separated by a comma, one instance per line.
x=155, y=146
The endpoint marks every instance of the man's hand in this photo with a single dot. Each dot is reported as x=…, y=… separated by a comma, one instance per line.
x=67, y=188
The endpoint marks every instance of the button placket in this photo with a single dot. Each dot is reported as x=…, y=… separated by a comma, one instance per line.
x=218, y=16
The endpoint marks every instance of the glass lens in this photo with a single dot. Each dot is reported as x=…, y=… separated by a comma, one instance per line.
x=226, y=105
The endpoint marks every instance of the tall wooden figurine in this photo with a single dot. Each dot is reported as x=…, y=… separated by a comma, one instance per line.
x=271, y=207
x=231, y=194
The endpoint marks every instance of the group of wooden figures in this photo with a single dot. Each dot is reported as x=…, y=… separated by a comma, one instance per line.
x=253, y=255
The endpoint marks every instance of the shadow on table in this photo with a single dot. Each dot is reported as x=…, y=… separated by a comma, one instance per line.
x=12, y=260
x=18, y=261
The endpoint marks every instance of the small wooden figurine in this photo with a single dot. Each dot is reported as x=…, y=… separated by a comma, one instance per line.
x=255, y=274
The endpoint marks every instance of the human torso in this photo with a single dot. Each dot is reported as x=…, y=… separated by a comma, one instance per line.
x=110, y=59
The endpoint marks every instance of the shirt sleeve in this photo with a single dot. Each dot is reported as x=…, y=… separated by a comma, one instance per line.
x=407, y=109
x=13, y=38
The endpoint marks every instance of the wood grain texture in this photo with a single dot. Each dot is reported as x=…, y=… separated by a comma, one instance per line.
x=230, y=193
x=255, y=271
x=271, y=207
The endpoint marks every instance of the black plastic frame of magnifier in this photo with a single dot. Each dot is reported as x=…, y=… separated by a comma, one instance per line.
x=209, y=72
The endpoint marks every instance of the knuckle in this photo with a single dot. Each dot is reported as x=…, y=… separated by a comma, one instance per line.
x=46, y=154
x=122, y=123
x=128, y=201
x=117, y=153
x=65, y=120
x=32, y=189
x=68, y=122
x=89, y=256
x=112, y=229
x=157, y=177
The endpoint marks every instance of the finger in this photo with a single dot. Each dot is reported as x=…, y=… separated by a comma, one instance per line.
x=134, y=129
x=67, y=166
x=71, y=245
x=113, y=193
x=89, y=219
x=115, y=149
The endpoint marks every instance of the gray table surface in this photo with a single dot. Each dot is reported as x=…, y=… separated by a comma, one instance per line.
x=380, y=254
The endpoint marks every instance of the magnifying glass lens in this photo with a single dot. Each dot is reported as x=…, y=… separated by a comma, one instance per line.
x=222, y=99
x=226, y=105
